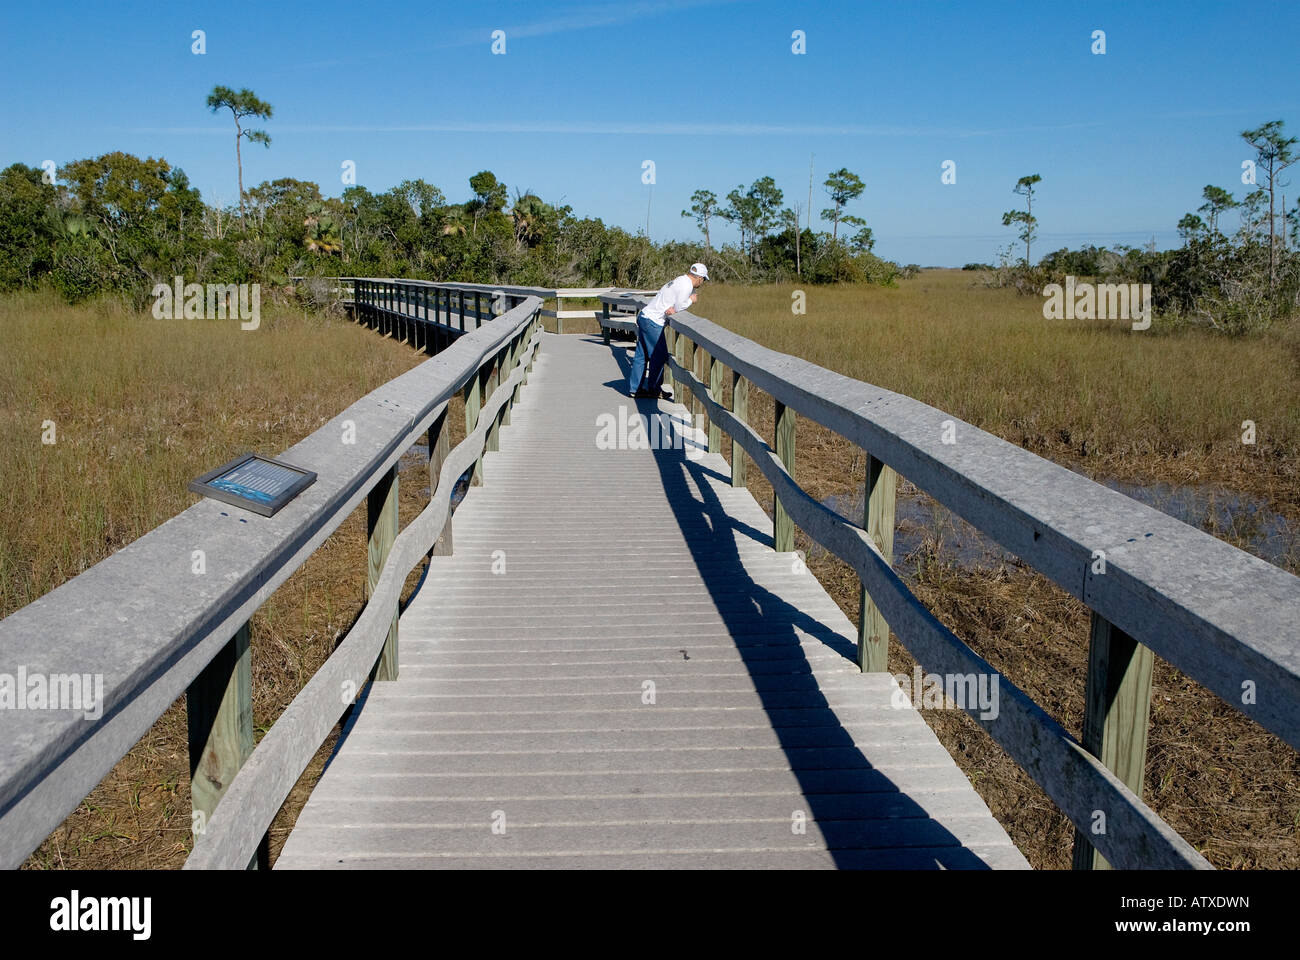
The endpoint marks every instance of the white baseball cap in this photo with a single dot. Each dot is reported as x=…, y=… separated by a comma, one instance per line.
x=700, y=270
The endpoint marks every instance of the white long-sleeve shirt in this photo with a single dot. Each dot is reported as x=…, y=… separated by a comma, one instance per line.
x=675, y=293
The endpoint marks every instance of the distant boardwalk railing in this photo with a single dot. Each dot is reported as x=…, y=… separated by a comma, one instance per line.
x=155, y=630
x=467, y=303
x=1221, y=616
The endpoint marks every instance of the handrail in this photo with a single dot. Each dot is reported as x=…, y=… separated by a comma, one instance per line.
x=150, y=622
x=1229, y=620
x=255, y=795
x=558, y=294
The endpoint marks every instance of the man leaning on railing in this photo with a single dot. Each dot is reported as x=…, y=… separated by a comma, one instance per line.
x=644, y=379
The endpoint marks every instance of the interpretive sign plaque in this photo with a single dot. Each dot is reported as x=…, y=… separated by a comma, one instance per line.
x=256, y=483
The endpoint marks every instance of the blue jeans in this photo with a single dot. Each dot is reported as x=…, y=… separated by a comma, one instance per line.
x=650, y=356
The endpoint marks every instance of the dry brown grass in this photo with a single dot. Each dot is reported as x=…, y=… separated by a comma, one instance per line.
x=1167, y=408
x=141, y=406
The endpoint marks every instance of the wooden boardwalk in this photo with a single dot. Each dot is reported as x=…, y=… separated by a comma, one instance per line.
x=614, y=669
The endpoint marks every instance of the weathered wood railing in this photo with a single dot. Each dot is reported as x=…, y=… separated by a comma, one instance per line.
x=156, y=619
x=466, y=304
x=1223, y=617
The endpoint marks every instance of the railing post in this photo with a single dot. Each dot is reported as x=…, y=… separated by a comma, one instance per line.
x=878, y=520
x=521, y=344
x=1115, y=717
x=740, y=409
x=715, y=394
x=399, y=321
x=680, y=343
x=670, y=345
x=604, y=328
x=409, y=312
x=512, y=355
x=381, y=529
x=559, y=321
x=473, y=402
x=782, y=525
x=439, y=447
x=532, y=329
x=219, y=715
x=493, y=381
x=460, y=301
x=423, y=325
x=478, y=309
x=696, y=358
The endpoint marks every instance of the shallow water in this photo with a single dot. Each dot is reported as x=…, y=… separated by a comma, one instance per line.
x=919, y=519
x=417, y=458
x=1226, y=514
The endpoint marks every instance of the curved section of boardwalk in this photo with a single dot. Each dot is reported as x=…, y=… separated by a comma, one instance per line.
x=614, y=669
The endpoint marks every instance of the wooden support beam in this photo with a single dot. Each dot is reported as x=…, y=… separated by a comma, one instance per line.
x=430, y=330
x=473, y=403
x=439, y=448
x=715, y=393
x=493, y=380
x=1115, y=718
x=740, y=407
x=878, y=521
x=512, y=355
x=398, y=307
x=219, y=715
x=696, y=357
x=670, y=345
x=782, y=525
x=381, y=530
x=680, y=345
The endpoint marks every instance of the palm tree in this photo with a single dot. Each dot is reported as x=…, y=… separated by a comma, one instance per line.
x=529, y=214
x=322, y=236
x=457, y=223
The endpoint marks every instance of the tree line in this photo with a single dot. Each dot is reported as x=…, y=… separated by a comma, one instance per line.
x=1234, y=281
x=118, y=223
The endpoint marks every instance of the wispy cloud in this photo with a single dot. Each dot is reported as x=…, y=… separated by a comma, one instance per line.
x=568, y=20
x=582, y=18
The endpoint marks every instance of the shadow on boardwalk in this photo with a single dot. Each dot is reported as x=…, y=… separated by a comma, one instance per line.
x=859, y=810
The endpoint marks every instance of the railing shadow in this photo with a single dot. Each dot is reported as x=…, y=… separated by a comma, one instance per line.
x=859, y=810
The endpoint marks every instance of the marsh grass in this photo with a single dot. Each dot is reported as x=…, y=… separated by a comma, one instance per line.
x=1078, y=389
x=140, y=407
x=1163, y=405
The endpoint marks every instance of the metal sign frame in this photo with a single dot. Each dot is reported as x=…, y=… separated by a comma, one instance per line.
x=258, y=502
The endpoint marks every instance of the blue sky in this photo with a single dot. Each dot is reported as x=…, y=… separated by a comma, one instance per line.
x=710, y=91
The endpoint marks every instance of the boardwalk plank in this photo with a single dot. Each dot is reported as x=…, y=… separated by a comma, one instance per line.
x=522, y=694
